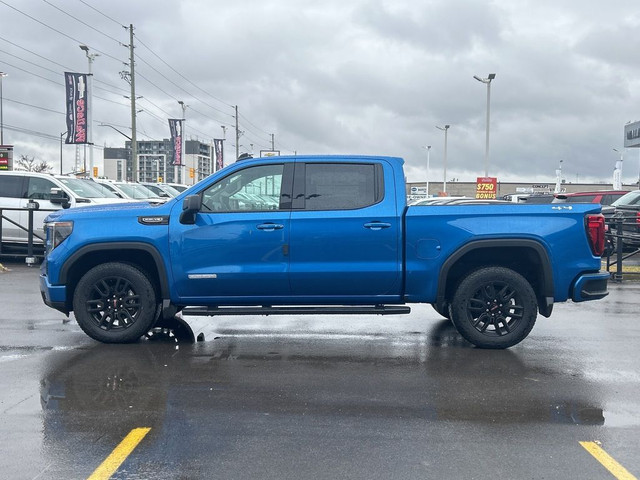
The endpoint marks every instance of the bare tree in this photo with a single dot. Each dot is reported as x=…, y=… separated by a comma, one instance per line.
x=30, y=164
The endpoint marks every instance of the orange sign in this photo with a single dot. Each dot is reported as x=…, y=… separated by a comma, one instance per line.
x=486, y=187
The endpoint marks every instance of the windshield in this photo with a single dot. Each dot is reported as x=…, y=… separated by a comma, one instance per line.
x=631, y=198
x=135, y=190
x=86, y=188
x=109, y=188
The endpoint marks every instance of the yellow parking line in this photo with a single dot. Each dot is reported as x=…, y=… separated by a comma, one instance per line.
x=607, y=461
x=119, y=454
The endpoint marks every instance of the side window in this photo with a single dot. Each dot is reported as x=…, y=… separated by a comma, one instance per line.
x=253, y=189
x=342, y=186
x=581, y=199
x=609, y=199
x=40, y=188
x=11, y=186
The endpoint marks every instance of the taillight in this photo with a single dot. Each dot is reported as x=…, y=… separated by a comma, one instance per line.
x=595, y=233
x=638, y=218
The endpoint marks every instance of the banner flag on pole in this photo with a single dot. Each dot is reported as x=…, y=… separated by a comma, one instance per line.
x=175, y=126
x=218, y=153
x=76, y=89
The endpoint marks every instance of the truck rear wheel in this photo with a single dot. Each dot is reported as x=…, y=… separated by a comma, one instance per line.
x=494, y=307
x=115, y=303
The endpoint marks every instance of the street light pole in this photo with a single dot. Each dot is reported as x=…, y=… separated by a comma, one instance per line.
x=61, y=135
x=487, y=81
x=444, y=178
x=2, y=75
x=617, y=172
x=428, y=147
x=90, y=57
x=179, y=168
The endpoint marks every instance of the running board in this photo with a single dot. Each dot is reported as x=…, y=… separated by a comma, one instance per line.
x=267, y=310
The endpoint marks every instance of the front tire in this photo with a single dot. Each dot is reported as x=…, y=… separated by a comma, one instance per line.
x=494, y=307
x=115, y=303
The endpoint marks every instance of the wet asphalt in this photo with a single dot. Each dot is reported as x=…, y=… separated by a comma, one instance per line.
x=322, y=397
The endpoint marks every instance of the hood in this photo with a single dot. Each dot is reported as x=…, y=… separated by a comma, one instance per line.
x=133, y=208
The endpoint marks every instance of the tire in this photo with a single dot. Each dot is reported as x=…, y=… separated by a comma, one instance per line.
x=115, y=303
x=494, y=307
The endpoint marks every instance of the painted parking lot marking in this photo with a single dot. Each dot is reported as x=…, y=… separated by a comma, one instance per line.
x=119, y=454
x=607, y=461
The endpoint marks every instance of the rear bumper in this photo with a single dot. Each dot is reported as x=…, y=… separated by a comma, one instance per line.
x=54, y=296
x=590, y=286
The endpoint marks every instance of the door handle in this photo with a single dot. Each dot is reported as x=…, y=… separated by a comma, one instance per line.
x=377, y=225
x=270, y=227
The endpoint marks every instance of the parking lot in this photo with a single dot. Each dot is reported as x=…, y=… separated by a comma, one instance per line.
x=398, y=397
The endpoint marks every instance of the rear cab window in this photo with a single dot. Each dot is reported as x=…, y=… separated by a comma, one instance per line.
x=337, y=186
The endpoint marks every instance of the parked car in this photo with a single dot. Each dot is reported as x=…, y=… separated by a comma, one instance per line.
x=178, y=186
x=163, y=190
x=627, y=210
x=46, y=193
x=132, y=191
x=603, y=197
x=531, y=198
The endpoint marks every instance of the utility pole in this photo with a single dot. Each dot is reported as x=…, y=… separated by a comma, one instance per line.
x=237, y=135
x=132, y=82
x=90, y=57
x=273, y=143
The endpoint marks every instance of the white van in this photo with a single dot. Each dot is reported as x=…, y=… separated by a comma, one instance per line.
x=45, y=193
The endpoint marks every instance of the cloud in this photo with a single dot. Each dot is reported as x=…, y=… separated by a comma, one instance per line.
x=368, y=76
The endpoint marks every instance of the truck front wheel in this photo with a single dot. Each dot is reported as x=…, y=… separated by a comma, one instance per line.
x=494, y=307
x=115, y=303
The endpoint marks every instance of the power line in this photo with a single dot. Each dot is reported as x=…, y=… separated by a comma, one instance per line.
x=57, y=31
x=103, y=14
x=182, y=76
x=82, y=22
x=64, y=67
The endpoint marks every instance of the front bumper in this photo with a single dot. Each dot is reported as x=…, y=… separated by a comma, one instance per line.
x=55, y=296
x=590, y=286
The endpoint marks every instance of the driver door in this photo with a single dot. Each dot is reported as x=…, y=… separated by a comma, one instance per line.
x=237, y=250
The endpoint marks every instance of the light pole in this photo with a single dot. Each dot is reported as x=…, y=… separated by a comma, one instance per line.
x=617, y=172
x=184, y=141
x=428, y=147
x=487, y=81
x=91, y=57
x=2, y=75
x=444, y=178
x=61, y=135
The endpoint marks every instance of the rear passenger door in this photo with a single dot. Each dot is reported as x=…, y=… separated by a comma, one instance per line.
x=345, y=232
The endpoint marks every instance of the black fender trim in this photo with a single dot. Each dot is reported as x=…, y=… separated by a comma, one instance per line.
x=95, y=247
x=545, y=297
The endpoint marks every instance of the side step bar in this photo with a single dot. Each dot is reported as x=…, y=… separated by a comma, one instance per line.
x=293, y=310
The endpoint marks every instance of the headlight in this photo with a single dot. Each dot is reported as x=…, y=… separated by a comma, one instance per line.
x=56, y=233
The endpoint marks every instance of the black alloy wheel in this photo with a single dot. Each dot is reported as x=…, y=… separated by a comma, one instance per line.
x=494, y=307
x=115, y=303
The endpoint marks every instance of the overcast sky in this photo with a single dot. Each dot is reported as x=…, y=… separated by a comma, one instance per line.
x=341, y=76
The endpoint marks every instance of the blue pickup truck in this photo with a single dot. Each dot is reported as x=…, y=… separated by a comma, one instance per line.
x=319, y=234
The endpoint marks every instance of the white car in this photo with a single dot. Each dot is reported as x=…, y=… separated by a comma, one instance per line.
x=43, y=193
x=131, y=191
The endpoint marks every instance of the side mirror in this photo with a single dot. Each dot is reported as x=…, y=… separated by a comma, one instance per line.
x=59, y=197
x=190, y=207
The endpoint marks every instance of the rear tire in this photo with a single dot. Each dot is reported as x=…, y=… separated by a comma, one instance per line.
x=494, y=307
x=115, y=303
